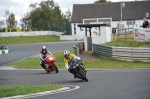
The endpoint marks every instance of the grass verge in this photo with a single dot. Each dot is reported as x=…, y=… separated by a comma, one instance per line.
x=104, y=63
x=7, y=91
x=28, y=39
x=127, y=42
x=100, y=63
x=34, y=63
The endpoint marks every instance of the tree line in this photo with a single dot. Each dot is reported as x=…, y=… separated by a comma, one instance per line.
x=46, y=15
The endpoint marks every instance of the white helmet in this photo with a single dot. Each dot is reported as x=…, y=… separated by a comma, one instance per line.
x=66, y=54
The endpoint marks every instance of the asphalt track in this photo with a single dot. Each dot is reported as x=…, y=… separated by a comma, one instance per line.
x=103, y=84
x=26, y=50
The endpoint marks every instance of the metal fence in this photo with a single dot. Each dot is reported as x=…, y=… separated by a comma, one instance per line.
x=102, y=50
x=122, y=53
x=60, y=26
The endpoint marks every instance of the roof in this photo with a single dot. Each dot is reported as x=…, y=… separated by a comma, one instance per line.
x=132, y=11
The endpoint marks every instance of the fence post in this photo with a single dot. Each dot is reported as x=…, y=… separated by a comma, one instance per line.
x=77, y=50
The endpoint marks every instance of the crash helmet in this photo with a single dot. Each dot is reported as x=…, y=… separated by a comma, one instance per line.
x=66, y=54
x=44, y=50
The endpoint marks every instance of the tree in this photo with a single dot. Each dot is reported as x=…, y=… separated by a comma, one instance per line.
x=12, y=23
x=43, y=16
x=2, y=23
x=68, y=15
x=25, y=24
x=10, y=19
x=101, y=1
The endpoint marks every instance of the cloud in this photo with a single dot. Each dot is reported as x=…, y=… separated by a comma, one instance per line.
x=13, y=7
x=5, y=5
x=68, y=4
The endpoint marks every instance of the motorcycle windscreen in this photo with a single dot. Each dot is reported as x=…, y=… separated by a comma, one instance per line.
x=49, y=59
x=73, y=62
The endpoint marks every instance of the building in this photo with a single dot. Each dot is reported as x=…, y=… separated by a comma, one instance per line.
x=133, y=12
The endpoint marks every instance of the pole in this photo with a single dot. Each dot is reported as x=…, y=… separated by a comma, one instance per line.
x=122, y=5
x=121, y=18
x=77, y=50
x=121, y=13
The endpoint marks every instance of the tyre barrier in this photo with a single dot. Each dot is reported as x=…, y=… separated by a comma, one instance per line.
x=4, y=50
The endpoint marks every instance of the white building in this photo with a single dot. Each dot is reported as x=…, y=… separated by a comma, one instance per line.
x=133, y=12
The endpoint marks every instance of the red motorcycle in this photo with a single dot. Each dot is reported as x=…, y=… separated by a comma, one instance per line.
x=50, y=65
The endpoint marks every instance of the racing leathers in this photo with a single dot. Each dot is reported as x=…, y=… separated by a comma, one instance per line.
x=42, y=56
x=66, y=60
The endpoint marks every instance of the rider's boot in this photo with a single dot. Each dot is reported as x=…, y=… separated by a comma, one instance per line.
x=43, y=66
x=74, y=76
x=72, y=73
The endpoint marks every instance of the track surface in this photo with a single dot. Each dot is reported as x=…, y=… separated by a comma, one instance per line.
x=26, y=50
x=103, y=84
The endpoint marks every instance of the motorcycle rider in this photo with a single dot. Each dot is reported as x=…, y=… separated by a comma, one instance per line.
x=43, y=54
x=67, y=57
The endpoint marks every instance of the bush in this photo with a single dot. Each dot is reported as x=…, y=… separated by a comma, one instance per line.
x=8, y=30
x=2, y=30
x=13, y=30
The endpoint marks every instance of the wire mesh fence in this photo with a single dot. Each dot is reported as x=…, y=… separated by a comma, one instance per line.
x=60, y=26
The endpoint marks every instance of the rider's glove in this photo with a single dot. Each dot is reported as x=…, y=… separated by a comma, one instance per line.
x=78, y=58
x=67, y=66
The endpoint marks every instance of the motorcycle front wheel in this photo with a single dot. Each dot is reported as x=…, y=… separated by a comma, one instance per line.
x=82, y=75
x=55, y=68
x=47, y=71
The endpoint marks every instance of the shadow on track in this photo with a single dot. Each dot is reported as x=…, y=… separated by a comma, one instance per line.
x=70, y=81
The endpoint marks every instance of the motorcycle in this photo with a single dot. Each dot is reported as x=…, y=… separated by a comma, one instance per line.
x=50, y=65
x=77, y=69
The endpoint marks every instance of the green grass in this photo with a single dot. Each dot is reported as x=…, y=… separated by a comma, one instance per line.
x=127, y=43
x=34, y=63
x=100, y=63
x=28, y=39
x=6, y=91
x=103, y=63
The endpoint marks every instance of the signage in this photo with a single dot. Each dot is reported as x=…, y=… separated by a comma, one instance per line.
x=142, y=34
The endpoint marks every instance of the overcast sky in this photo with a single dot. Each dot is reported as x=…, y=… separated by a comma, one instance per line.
x=19, y=7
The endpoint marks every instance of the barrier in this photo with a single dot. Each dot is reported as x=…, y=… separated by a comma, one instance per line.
x=72, y=37
x=122, y=53
x=142, y=34
x=78, y=48
x=33, y=33
x=4, y=50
